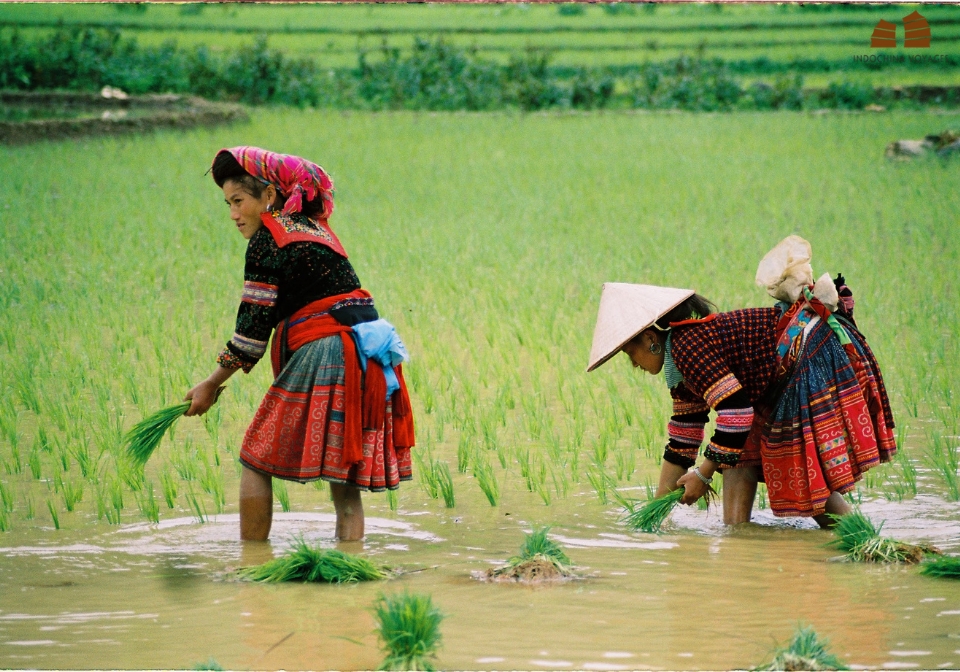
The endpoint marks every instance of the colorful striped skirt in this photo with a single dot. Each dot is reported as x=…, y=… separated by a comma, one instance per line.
x=298, y=431
x=825, y=427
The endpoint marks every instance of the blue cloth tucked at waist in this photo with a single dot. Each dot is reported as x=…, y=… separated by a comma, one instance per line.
x=378, y=340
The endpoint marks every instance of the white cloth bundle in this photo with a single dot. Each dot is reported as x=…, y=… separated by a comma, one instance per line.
x=786, y=270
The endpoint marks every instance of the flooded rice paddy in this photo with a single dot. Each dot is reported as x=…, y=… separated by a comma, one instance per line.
x=698, y=597
x=119, y=285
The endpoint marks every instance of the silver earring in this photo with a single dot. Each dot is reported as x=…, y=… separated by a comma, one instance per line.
x=655, y=348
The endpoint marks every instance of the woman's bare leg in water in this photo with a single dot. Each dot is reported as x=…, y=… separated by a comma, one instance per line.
x=837, y=506
x=346, y=500
x=739, y=491
x=256, y=505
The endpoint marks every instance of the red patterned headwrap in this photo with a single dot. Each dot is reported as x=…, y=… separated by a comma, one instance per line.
x=294, y=177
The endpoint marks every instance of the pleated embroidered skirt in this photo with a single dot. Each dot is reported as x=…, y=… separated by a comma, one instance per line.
x=825, y=428
x=297, y=433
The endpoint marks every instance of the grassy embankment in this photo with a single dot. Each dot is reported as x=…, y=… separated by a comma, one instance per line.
x=485, y=238
x=820, y=42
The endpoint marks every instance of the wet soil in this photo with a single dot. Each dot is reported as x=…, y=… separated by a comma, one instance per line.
x=535, y=571
x=27, y=117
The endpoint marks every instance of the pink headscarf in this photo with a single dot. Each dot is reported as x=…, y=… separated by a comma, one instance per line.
x=293, y=177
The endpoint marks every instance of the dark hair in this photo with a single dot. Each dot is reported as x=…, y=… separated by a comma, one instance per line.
x=695, y=306
x=226, y=168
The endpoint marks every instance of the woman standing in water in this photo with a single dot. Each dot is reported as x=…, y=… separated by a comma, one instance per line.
x=798, y=394
x=338, y=408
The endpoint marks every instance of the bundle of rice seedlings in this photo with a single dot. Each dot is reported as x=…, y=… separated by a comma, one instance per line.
x=860, y=541
x=538, y=544
x=145, y=436
x=943, y=567
x=408, y=626
x=313, y=564
x=805, y=652
x=651, y=516
x=540, y=559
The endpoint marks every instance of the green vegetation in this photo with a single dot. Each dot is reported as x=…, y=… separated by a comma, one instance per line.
x=860, y=541
x=806, y=651
x=479, y=58
x=941, y=567
x=651, y=516
x=312, y=564
x=537, y=545
x=145, y=436
x=408, y=626
x=509, y=249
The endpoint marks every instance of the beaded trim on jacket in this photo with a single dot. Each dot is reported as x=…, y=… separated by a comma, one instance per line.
x=296, y=228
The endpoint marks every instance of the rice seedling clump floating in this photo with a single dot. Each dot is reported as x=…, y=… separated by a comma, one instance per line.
x=408, y=626
x=540, y=559
x=943, y=567
x=860, y=541
x=312, y=564
x=806, y=651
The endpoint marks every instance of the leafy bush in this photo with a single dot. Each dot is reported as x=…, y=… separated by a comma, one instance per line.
x=591, y=90
x=785, y=93
x=847, y=95
x=435, y=75
x=687, y=83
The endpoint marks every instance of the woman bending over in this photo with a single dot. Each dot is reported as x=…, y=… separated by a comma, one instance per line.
x=799, y=399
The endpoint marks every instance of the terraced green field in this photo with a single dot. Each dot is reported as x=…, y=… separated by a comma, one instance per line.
x=599, y=36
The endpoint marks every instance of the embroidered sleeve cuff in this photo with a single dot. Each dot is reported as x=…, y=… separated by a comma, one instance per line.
x=722, y=455
x=228, y=360
x=682, y=457
x=720, y=390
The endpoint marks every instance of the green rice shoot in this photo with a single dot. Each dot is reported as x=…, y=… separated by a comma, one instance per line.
x=408, y=626
x=943, y=567
x=860, y=541
x=806, y=651
x=537, y=545
x=144, y=437
x=312, y=564
x=651, y=516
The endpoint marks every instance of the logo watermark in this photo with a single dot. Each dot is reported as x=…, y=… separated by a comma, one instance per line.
x=916, y=31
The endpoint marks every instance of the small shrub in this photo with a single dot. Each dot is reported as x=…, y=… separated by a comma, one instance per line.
x=847, y=95
x=571, y=9
x=591, y=90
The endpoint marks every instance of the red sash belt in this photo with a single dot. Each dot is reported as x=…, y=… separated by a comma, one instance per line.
x=365, y=401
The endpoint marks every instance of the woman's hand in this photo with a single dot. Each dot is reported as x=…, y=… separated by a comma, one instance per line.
x=693, y=488
x=205, y=393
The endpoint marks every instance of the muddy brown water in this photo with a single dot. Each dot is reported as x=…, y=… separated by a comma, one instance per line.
x=697, y=597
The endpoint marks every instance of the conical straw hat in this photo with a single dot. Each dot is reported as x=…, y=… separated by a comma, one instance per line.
x=625, y=311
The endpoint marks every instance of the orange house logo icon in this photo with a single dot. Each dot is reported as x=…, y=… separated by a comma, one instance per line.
x=916, y=33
